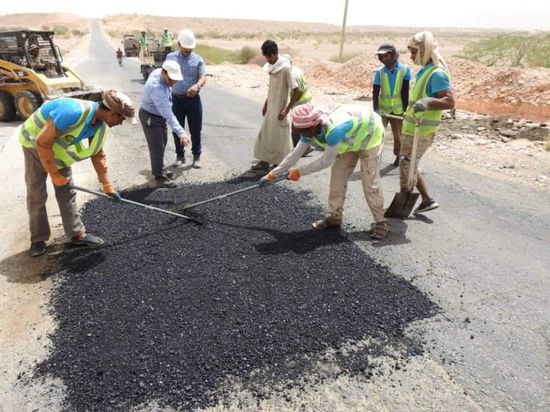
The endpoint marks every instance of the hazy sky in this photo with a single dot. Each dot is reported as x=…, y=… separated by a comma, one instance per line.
x=522, y=14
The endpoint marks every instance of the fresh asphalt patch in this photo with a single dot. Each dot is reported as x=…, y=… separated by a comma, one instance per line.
x=169, y=311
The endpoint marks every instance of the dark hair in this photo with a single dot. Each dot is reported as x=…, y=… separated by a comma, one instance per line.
x=269, y=47
x=103, y=107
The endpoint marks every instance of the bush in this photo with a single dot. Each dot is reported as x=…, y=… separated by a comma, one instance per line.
x=247, y=54
x=515, y=50
x=78, y=33
x=217, y=55
x=60, y=30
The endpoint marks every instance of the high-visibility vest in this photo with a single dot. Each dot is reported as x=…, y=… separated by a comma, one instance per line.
x=65, y=153
x=143, y=42
x=366, y=133
x=302, y=86
x=166, y=39
x=390, y=100
x=432, y=117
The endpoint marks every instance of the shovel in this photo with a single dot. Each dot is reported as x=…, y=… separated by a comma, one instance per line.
x=157, y=209
x=236, y=192
x=403, y=202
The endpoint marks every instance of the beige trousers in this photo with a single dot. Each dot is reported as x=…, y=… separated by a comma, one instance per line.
x=37, y=194
x=406, y=151
x=396, y=126
x=343, y=167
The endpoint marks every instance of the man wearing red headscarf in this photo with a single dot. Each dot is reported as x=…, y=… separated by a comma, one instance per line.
x=347, y=133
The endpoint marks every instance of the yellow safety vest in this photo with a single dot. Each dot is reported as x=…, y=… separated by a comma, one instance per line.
x=166, y=39
x=390, y=100
x=366, y=133
x=302, y=86
x=66, y=154
x=432, y=117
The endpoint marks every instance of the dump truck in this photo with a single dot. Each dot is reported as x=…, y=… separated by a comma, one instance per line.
x=152, y=58
x=130, y=44
x=32, y=71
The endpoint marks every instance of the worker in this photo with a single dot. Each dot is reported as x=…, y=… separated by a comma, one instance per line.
x=119, y=55
x=155, y=112
x=299, y=93
x=348, y=133
x=167, y=40
x=273, y=142
x=143, y=45
x=38, y=63
x=186, y=96
x=431, y=95
x=390, y=92
x=63, y=131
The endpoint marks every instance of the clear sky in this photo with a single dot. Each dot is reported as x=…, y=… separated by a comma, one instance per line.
x=507, y=14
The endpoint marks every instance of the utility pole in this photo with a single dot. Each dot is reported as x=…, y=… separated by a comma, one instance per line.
x=343, y=32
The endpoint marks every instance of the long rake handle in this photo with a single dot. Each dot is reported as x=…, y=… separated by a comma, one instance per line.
x=157, y=209
x=283, y=177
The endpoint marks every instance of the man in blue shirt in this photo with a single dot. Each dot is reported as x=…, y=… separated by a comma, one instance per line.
x=185, y=95
x=390, y=92
x=155, y=112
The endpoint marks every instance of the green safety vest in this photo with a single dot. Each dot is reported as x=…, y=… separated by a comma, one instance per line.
x=66, y=154
x=143, y=42
x=432, y=117
x=166, y=39
x=302, y=86
x=390, y=100
x=367, y=131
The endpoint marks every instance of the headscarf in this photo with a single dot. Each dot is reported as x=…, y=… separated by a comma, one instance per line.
x=426, y=45
x=281, y=63
x=120, y=103
x=305, y=116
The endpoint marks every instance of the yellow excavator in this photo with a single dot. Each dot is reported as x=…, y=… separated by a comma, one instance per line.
x=32, y=71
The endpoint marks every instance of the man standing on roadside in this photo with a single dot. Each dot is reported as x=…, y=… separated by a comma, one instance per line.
x=63, y=131
x=167, y=39
x=390, y=94
x=431, y=95
x=274, y=142
x=143, y=45
x=186, y=98
x=155, y=112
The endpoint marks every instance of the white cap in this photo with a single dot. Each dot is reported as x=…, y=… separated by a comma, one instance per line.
x=173, y=69
x=186, y=39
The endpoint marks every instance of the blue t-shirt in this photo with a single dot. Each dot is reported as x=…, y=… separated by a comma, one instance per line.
x=336, y=136
x=439, y=81
x=65, y=112
x=392, y=75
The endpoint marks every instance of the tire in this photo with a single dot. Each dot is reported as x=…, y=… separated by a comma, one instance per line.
x=7, y=107
x=26, y=103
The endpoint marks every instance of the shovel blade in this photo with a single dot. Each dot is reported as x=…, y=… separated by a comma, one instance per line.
x=402, y=205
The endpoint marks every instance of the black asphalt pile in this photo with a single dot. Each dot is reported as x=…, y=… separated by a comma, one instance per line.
x=168, y=311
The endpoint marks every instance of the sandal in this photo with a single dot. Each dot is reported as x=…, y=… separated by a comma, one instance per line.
x=261, y=165
x=327, y=223
x=379, y=230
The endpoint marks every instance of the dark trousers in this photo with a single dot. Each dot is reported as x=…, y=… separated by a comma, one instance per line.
x=156, y=134
x=190, y=108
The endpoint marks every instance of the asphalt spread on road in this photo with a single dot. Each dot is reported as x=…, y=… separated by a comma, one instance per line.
x=170, y=311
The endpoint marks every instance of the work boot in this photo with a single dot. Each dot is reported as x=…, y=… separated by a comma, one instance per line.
x=327, y=223
x=169, y=174
x=37, y=249
x=197, y=161
x=426, y=206
x=166, y=182
x=261, y=165
x=85, y=239
x=180, y=161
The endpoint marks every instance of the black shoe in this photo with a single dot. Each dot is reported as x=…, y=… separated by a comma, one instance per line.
x=37, y=249
x=426, y=206
x=169, y=174
x=165, y=182
x=396, y=161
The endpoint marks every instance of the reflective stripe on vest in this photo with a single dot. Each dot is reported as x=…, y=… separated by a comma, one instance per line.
x=390, y=100
x=366, y=131
x=65, y=153
x=166, y=39
x=431, y=119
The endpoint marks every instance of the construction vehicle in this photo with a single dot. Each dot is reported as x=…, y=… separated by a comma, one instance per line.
x=152, y=57
x=32, y=71
x=130, y=45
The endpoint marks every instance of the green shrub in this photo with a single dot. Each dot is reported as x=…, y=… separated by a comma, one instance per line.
x=510, y=49
x=217, y=55
x=247, y=54
x=60, y=30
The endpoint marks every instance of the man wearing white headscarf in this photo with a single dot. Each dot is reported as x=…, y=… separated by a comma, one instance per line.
x=431, y=95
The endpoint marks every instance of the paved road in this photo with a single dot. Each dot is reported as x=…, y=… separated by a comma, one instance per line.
x=482, y=257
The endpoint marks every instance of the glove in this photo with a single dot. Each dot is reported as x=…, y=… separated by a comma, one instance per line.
x=264, y=180
x=61, y=181
x=294, y=174
x=423, y=104
x=109, y=190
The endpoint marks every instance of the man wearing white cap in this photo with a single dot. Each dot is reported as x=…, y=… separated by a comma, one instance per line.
x=155, y=112
x=186, y=95
x=59, y=133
